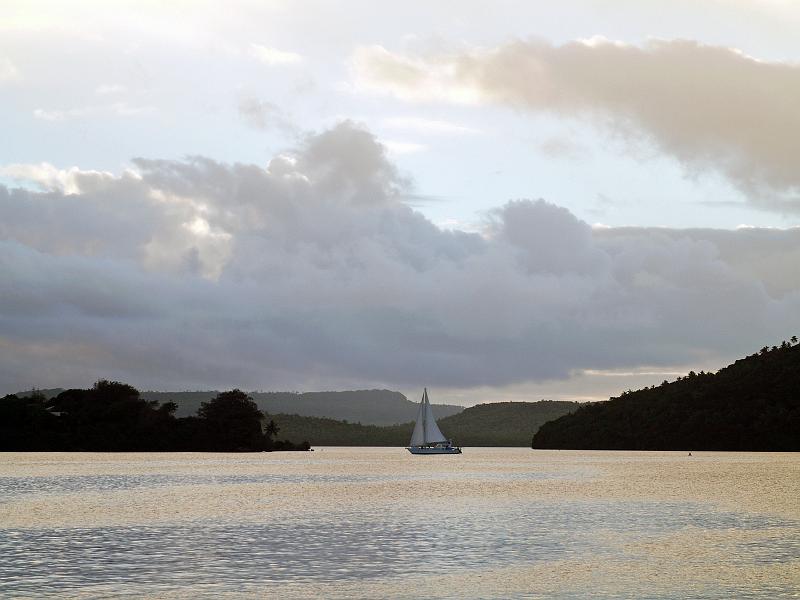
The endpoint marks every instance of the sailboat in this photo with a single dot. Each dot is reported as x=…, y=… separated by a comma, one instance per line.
x=427, y=438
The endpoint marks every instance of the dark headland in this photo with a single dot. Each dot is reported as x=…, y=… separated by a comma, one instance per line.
x=751, y=405
x=112, y=417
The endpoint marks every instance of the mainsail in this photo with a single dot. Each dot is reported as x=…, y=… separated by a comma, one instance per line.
x=426, y=431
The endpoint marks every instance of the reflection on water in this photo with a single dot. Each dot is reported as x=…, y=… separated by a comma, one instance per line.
x=13, y=488
x=503, y=523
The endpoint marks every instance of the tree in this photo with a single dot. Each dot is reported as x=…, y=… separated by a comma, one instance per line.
x=272, y=429
x=112, y=417
x=26, y=424
x=794, y=339
x=232, y=423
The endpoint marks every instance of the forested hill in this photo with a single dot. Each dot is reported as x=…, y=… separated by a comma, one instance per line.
x=502, y=423
x=373, y=407
x=330, y=432
x=497, y=424
x=753, y=404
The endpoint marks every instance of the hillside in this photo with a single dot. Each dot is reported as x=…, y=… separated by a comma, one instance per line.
x=500, y=424
x=372, y=407
x=330, y=432
x=753, y=404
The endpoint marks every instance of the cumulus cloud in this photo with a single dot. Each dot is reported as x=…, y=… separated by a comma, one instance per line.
x=50, y=178
x=708, y=106
x=311, y=271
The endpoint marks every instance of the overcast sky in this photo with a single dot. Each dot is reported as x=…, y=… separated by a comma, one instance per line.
x=518, y=202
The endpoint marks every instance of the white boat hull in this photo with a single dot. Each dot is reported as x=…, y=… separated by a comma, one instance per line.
x=433, y=450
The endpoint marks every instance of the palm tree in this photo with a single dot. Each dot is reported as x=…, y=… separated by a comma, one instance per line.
x=271, y=429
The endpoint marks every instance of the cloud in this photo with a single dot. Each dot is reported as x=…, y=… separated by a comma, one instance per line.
x=273, y=56
x=556, y=147
x=52, y=179
x=398, y=147
x=411, y=78
x=708, y=106
x=261, y=114
x=421, y=125
x=312, y=272
x=110, y=88
x=8, y=71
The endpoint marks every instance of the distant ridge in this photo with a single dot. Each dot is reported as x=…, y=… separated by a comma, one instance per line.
x=494, y=424
x=751, y=405
x=370, y=407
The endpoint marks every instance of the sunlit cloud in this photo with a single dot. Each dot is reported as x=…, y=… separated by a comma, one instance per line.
x=428, y=126
x=273, y=56
x=52, y=179
x=417, y=79
x=710, y=107
x=399, y=147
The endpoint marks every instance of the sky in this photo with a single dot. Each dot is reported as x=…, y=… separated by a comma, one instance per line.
x=555, y=201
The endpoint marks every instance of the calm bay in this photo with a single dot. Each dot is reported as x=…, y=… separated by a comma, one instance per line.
x=379, y=522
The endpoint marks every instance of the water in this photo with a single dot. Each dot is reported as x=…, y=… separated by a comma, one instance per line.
x=378, y=522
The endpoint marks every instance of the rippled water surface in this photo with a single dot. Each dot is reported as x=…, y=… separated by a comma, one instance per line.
x=379, y=522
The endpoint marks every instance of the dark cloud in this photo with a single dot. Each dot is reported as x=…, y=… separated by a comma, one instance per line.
x=312, y=271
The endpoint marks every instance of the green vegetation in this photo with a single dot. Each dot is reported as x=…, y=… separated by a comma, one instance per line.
x=500, y=424
x=115, y=416
x=330, y=432
x=503, y=423
x=753, y=404
x=112, y=417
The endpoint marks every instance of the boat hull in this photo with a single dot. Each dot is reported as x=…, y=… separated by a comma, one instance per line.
x=433, y=450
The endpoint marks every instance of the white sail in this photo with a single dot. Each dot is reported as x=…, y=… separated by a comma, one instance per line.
x=432, y=432
x=418, y=437
x=426, y=431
